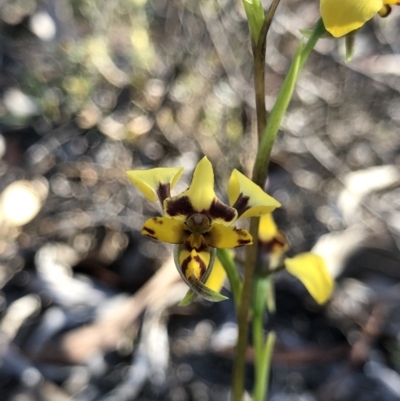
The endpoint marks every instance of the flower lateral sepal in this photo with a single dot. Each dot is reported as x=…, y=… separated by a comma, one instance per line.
x=205, y=292
x=188, y=298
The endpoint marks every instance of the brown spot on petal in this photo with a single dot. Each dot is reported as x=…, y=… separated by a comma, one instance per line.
x=184, y=265
x=180, y=207
x=220, y=210
x=163, y=192
x=241, y=233
x=148, y=231
x=202, y=248
x=245, y=237
x=201, y=264
x=278, y=242
x=241, y=204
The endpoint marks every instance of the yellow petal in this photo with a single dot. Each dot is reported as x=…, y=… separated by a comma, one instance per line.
x=217, y=277
x=164, y=229
x=201, y=190
x=311, y=270
x=248, y=198
x=343, y=16
x=194, y=263
x=155, y=183
x=220, y=236
x=267, y=228
x=200, y=198
x=272, y=242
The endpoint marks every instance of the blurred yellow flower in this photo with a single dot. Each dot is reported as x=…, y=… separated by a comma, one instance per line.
x=311, y=270
x=343, y=16
x=271, y=241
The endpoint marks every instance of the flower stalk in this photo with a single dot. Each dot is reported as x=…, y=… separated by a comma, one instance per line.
x=267, y=131
x=233, y=276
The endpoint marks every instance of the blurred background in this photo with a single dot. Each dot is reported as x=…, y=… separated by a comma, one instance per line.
x=88, y=307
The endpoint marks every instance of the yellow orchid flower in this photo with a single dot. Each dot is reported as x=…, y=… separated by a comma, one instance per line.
x=197, y=221
x=343, y=16
x=309, y=268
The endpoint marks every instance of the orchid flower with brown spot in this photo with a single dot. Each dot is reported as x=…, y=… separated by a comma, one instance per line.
x=197, y=221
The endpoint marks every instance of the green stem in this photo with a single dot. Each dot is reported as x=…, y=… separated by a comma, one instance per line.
x=261, y=285
x=231, y=271
x=259, y=70
x=259, y=41
x=255, y=17
x=281, y=104
x=243, y=312
x=263, y=369
x=259, y=86
x=259, y=304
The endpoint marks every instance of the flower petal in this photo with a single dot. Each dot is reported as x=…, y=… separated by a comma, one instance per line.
x=217, y=277
x=164, y=229
x=248, y=198
x=343, y=16
x=155, y=183
x=220, y=236
x=267, y=228
x=200, y=198
x=271, y=241
x=183, y=254
x=311, y=270
x=194, y=263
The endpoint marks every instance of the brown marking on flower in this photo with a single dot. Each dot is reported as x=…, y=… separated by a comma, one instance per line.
x=163, y=192
x=241, y=204
x=148, y=231
x=243, y=237
x=198, y=260
x=179, y=207
x=220, y=210
x=385, y=11
x=201, y=264
x=277, y=243
x=185, y=264
x=202, y=248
